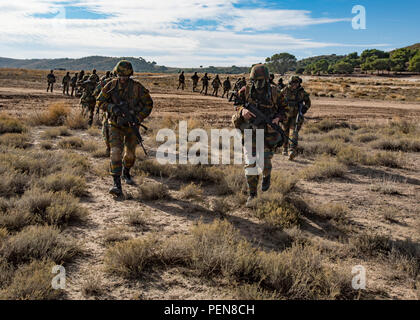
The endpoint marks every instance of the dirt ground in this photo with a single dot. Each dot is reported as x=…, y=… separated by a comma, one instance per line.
x=22, y=96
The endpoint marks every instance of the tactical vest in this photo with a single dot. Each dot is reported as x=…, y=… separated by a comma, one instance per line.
x=269, y=108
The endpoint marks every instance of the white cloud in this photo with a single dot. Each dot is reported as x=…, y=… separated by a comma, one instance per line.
x=154, y=29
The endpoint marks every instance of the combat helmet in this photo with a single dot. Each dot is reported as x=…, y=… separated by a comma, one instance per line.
x=295, y=79
x=259, y=72
x=124, y=68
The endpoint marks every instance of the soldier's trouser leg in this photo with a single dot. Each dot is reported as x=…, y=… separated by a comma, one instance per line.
x=296, y=133
x=271, y=140
x=206, y=90
x=286, y=127
x=52, y=87
x=91, y=113
x=105, y=133
x=116, y=141
x=72, y=91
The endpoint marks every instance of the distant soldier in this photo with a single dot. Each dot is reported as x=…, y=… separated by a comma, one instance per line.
x=73, y=83
x=205, y=80
x=181, y=81
x=292, y=99
x=280, y=84
x=79, y=89
x=195, y=79
x=239, y=84
x=51, y=80
x=122, y=137
x=88, y=100
x=272, y=79
x=94, y=76
x=105, y=128
x=216, y=83
x=66, y=83
x=81, y=75
x=226, y=87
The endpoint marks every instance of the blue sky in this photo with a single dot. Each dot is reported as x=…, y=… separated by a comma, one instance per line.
x=196, y=32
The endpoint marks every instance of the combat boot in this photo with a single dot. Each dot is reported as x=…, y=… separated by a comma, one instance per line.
x=127, y=177
x=292, y=154
x=250, y=200
x=116, y=189
x=266, y=183
x=285, y=152
x=108, y=152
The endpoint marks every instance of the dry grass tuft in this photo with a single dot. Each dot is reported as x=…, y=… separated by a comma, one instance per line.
x=38, y=242
x=137, y=218
x=9, y=124
x=71, y=143
x=15, y=140
x=324, y=168
x=55, y=115
x=64, y=181
x=76, y=121
x=191, y=191
x=277, y=211
x=52, y=133
x=150, y=191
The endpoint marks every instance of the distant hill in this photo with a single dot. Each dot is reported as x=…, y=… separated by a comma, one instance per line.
x=107, y=63
x=412, y=47
x=87, y=63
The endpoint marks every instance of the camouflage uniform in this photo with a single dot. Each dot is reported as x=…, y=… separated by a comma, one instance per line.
x=51, y=81
x=205, y=80
x=105, y=128
x=122, y=138
x=181, y=81
x=289, y=102
x=268, y=100
x=73, y=83
x=216, y=84
x=195, y=79
x=94, y=76
x=88, y=100
x=66, y=83
x=226, y=87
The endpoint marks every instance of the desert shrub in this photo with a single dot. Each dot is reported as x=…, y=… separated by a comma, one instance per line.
x=13, y=183
x=100, y=153
x=46, y=145
x=326, y=125
x=255, y=292
x=92, y=285
x=351, y=155
x=276, y=211
x=6, y=275
x=76, y=121
x=326, y=146
x=392, y=144
x=90, y=146
x=153, y=191
x=366, y=137
x=13, y=219
x=38, y=242
x=52, y=208
x=71, y=143
x=9, y=124
x=55, y=115
x=386, y=159
x=65, y=181
x=114, y=235
x=343, y=134
x=32, y=282
x=233, y=181
x=333, y=211
x=191, y=191
x=324, y=168
x=283, y=183
x=132, y=257
x=52, y=133
x=220, y=205
x=137, y=218
x=15, y=140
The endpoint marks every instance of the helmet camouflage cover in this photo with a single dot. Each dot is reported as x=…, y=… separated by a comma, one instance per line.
x=295, y=79
x=124, y=68
x=259, y=71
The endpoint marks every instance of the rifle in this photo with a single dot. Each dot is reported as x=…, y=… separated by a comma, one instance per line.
x=260, y=118
x=299, y=118
x=125, y=118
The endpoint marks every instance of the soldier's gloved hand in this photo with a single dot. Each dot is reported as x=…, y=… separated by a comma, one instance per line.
x=246, y=114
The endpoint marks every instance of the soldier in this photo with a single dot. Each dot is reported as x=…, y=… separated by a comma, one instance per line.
x=66, y=83
x=94, y=76
x=265, y=96
x=205, y=80
x=51, y=80
x=216, y=83
x=181, y=81
x=226, y=87
x=88, y=100
x=73, y=83
x=105, y=128
x=79, y=89
x=280, y=84
x=195, y=79
x=108, y=75
x=239, y=84
x=272, y=79
x=292, y=98
x=122, y=138
x=81, y=75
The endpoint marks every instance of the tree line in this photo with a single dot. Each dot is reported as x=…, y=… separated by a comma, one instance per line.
x=371, y=60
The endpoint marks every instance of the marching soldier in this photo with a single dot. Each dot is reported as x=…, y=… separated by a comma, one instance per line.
x=226, y=87
x=216, y=84
x=88, y=100
x=280, y=84
x=205, y=80
x=265, y=96
x=293, y=99
x=122, y=138
x=181, y=81
x=73, y=83
x=66, y=83
x=195, y=79
x=51, y=81
x=94, y=76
